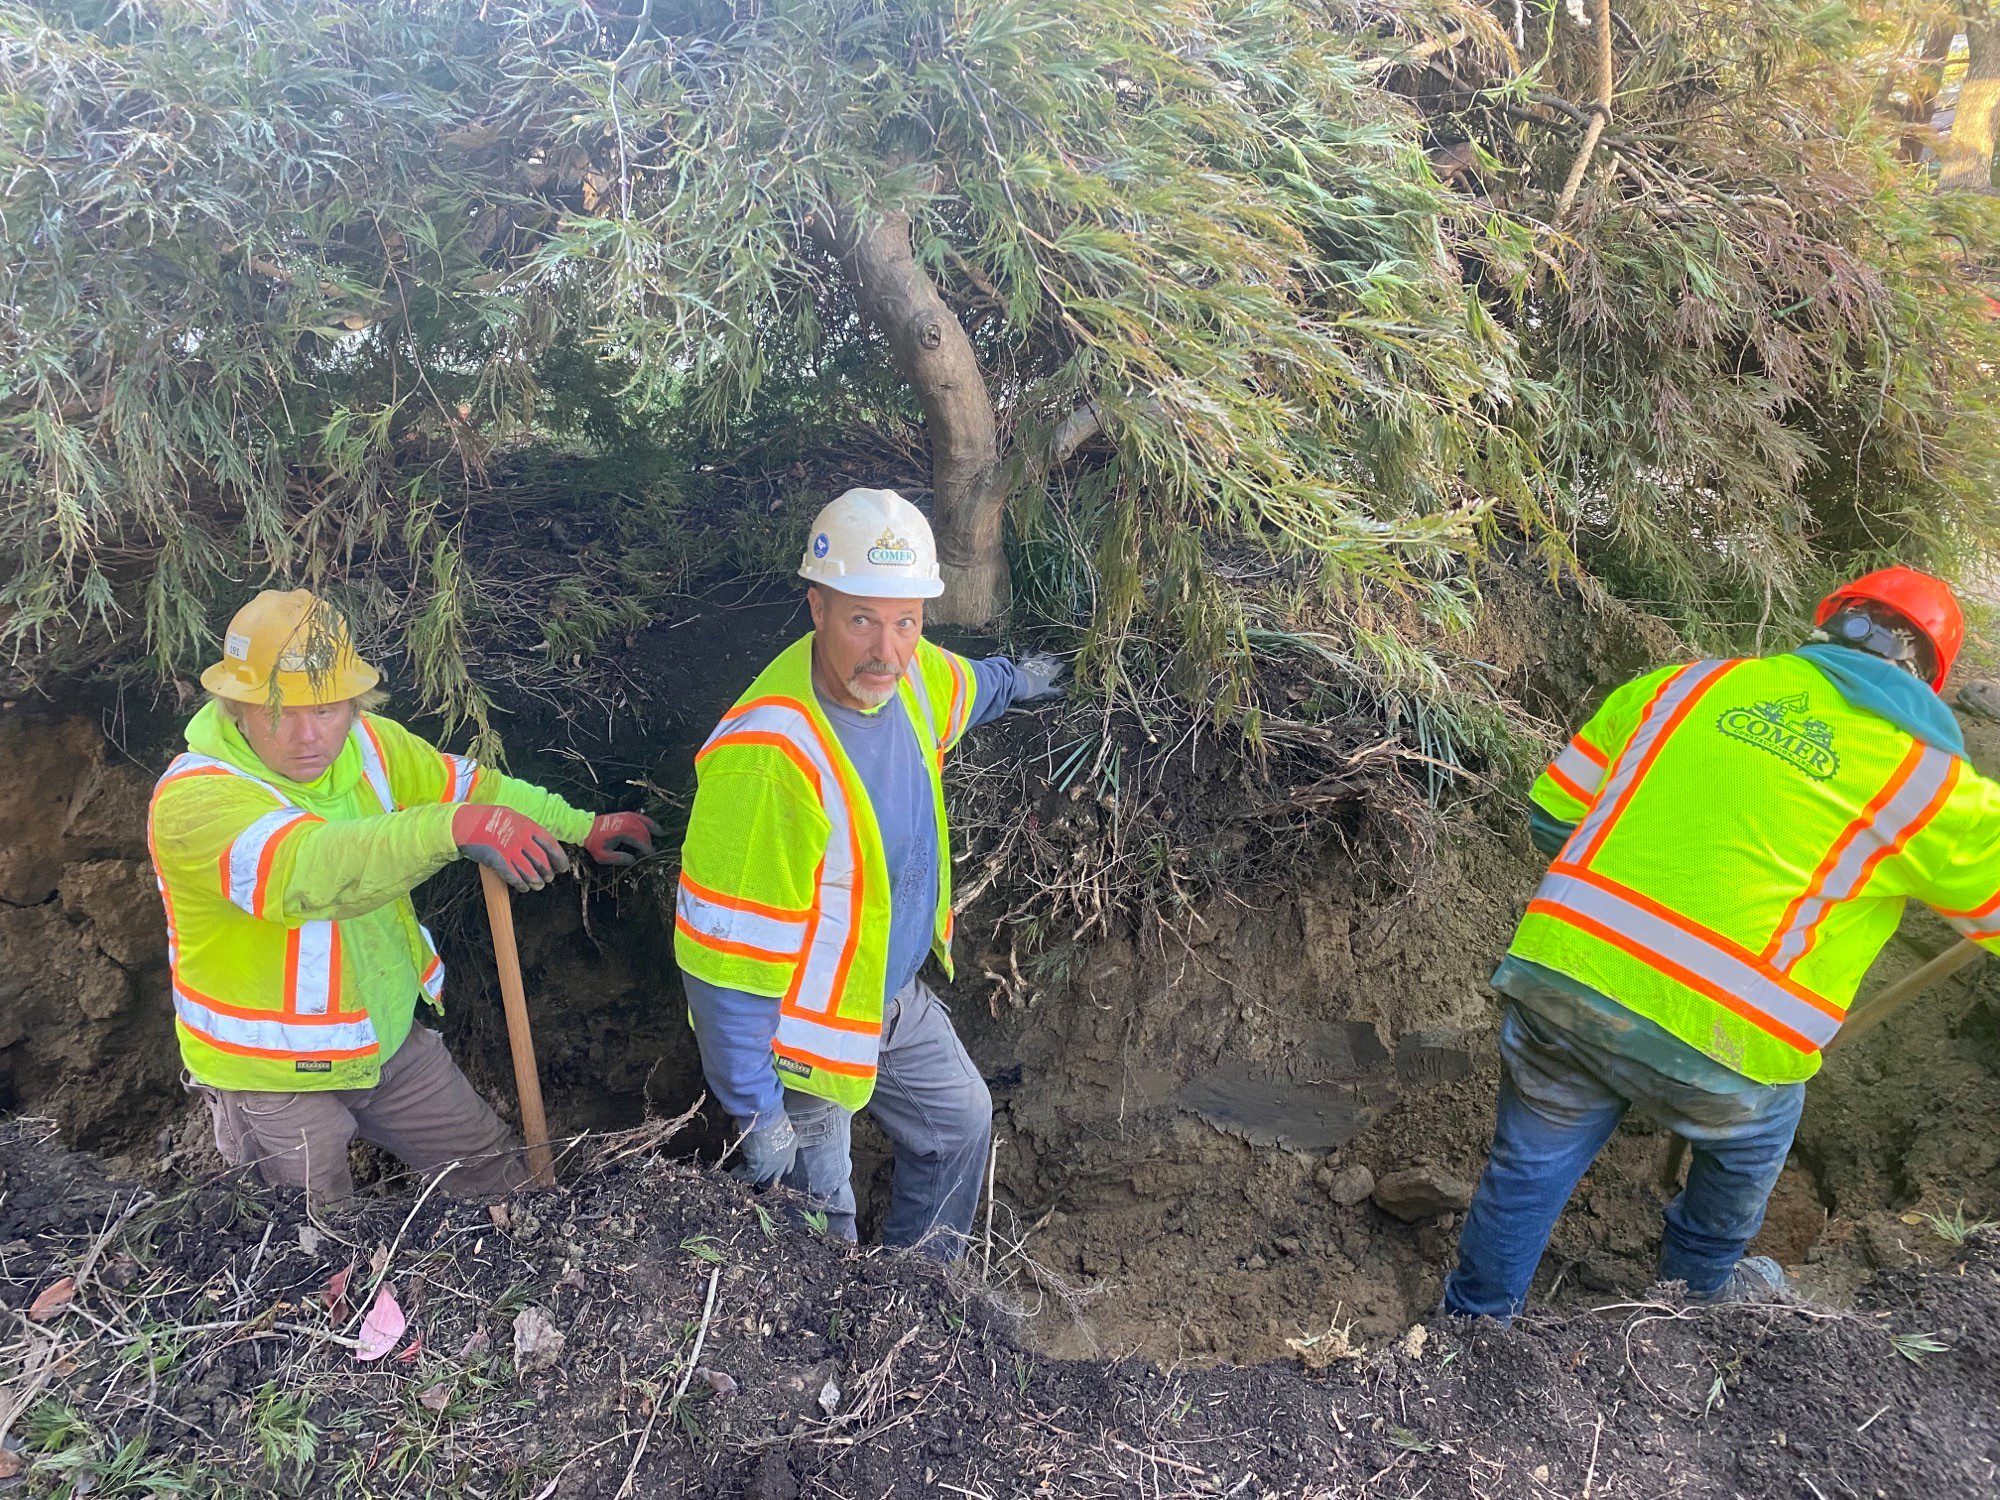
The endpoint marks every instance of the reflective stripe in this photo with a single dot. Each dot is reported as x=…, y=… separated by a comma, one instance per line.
x=1982, y=928
x=277, y=1036
x=915, y=677
x=1981, y=921
x=1579, y=770
x=459, y=774
x=832, y=933
x=1908, y=800
x=312, y=969
x=247, y=860
x=926, y=718
x=1671, y=704
x=805, y=1040
x=374, y=765
x=1682, y=950
x=963, y=689
x=432, y=978
x=741, y=927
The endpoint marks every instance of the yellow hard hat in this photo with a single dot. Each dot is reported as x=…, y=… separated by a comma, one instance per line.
x=290, y=650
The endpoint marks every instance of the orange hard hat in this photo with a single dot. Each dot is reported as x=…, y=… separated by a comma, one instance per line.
x=1924, y=601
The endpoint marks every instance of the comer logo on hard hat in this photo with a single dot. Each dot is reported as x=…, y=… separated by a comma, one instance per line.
x=891, y=551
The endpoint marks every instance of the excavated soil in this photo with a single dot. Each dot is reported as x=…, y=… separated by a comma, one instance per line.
x=654, y=1329
x=1201, y=1120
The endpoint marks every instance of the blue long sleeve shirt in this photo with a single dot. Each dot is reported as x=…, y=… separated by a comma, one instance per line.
x=734, y=1028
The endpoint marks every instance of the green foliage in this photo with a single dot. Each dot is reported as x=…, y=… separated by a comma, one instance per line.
x=308, y=293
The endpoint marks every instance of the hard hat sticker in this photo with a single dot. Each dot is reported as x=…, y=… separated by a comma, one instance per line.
x=236, y=647
x=891, y=551
x=820, y=545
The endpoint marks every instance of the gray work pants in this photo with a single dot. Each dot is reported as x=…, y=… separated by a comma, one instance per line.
x=932, y=1104
x=424, y=1111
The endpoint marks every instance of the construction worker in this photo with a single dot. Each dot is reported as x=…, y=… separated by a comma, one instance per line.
x=1734, y=843
x=816, y=876
x=286, y=842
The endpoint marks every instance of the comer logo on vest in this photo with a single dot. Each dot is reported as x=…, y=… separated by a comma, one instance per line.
x=1782, y=727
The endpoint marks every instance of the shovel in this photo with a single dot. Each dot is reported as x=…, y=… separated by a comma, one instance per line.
x=514, y=999
x=1861, y=1020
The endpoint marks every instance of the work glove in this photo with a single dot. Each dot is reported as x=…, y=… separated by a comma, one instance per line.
x=525, y=854
x=767, y=1154
x=621, y=838
x=1038, y=677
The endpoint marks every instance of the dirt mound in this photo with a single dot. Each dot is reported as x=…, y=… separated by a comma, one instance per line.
x=655, y=1326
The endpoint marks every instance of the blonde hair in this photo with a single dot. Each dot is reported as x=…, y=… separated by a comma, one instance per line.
x=366, y=703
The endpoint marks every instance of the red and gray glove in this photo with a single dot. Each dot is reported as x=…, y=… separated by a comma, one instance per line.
x=621, y=838
x=526, y=854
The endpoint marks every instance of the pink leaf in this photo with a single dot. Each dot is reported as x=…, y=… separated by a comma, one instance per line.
x=382, y=1327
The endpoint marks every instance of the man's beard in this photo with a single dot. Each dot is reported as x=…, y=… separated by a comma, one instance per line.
x=863, y=691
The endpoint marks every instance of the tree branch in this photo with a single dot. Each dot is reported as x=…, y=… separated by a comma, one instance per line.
x=1600, y=111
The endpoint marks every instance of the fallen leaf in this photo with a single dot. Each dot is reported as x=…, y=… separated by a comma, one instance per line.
x=435, y=1397
x=476, y=1346
x=497, y=1212
x=719, y=1381
x=572, y=1278
x=309, y=1239
x=538, y=1343
x=378, y=1263
x=829, y=1397
x=382, y=1327
x=336, y=1288
x=53, y=1299
x=11, y=1463
x=410, y=1350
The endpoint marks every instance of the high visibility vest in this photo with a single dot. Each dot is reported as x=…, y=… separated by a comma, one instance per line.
x=784, y=887
x=1745, y=841
x=261, y=1005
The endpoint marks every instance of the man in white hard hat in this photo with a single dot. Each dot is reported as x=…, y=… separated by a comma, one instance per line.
x=286, y=842
x=816, y=877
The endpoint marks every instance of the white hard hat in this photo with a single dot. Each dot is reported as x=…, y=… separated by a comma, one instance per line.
x=873, y=543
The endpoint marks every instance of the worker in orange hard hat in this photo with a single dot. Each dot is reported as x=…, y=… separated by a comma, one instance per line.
x=1733, y=843
x=286, y=841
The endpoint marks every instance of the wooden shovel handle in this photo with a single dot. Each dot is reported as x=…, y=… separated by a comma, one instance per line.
x=520, y=1040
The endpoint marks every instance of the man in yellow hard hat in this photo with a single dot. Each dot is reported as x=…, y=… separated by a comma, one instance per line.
x=816, y=877
x=286, y=842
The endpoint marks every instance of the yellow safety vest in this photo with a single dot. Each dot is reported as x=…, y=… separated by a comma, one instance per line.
x=784, y=887
x=296, y=954
x=1745, y=841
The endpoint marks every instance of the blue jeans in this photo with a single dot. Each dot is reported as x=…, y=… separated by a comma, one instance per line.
x=932, y=1104
x=1560, y=1099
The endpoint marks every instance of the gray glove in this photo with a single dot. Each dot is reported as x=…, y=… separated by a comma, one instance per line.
x=1038, y=677
x=767, y=1154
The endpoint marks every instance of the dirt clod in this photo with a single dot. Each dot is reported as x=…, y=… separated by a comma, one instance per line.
x=1422, y=1192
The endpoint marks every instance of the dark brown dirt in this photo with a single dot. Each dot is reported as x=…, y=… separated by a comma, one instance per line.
x=197, y=1354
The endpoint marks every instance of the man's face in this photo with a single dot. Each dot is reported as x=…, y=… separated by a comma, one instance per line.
x=298, y=743
x=863, y=645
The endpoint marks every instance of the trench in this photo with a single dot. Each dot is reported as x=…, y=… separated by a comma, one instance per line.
x=1248, y=1130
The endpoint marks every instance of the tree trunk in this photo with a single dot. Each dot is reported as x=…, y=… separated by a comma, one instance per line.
x=1920, y=93
x=932, y=352
x=1968, y=151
